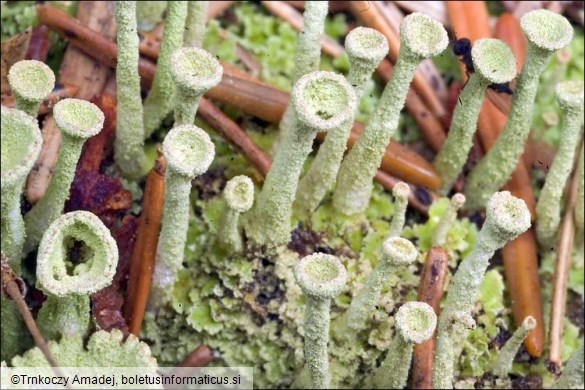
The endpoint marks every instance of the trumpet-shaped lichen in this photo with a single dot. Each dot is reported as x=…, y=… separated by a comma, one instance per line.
x=31, y=81
x=129, y=142
x=68, y=281
x=322, y=101
x=506, y=218
x=77, y=121
x=194, y=71
x=548, y=208
x=494, y=63
x=21, y=144
x=420, y=37
x=239, y=197
x=546, y=32
x=188, y=152
x=401, y=192
x=365, y=48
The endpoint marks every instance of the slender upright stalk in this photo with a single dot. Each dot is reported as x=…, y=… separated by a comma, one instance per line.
x=307, y=57
x=401, y=191
x=77, y=121
x=579, y=206
x=77, y=257
x=548, y=208
x=503, y=364
x=30, y=81
x=420, y=37
x=365, y=48
x=494, y=63
x=188, y=152
x=129, y=143
x=195, y=23
x=161, y=98
x=239, y=197
x=194, y=71
x=321, y=277
x=21, y=144
x=415, y=324
x=396, y=252
x=506, y=218
x=446, y=222
x=546, y=32
x=322, y=101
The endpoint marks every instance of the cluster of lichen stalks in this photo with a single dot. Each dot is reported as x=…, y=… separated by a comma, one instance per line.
x=320, y=102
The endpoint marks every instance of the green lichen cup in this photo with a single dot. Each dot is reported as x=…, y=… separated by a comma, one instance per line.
x=31, y=81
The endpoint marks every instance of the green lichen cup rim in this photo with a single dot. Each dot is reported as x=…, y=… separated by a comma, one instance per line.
x=32, y=80
x=188, y=150
x=493, y=60
x=547, y=30
x=88, y=277
x=78, y=118
x=366, y=44
x=570, y=94
x=508, y=213
x=195, y=70
x=399, y=251
x=239, y=193
x=323, y=100
x=423, y=36
x=416, y=322
x=320, y=275
x=21, y=145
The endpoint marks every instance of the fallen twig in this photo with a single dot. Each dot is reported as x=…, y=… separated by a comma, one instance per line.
x=200, y=357
x=430, y=291
x=144, y=254
x=563, y=264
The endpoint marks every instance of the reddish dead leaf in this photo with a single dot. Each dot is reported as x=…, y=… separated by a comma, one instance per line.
x=13, y=50
x=39, y=45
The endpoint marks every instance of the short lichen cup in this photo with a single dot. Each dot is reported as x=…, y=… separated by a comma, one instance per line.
x=77, y=257
x=321, y=101
x=548, y=209
x=396, y=252
x=188, y=152
x=31, y=81
x=77, y=121
x=494, y=63
x=415, y=324
x=321, y=277
x=21, y=144
x=194, y=72
x=420, y=38
x=239, y=198
x=546, y=32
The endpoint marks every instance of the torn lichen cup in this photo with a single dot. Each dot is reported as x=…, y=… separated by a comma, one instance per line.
x=188, y=152
x=77, y=257
x=548, y=208
x=420, y=38
x=546, y=32
x=415, y=324
x=503, y=364
x=322, y=101
x=494, y=63
x=396, y=252
x=321, y=277
x=506, y=218
x=239, y=197
x=77, y=121
x=129, y=143
x=30, y=81
x=194, y=72
x=21, y=144
x=365, y=48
